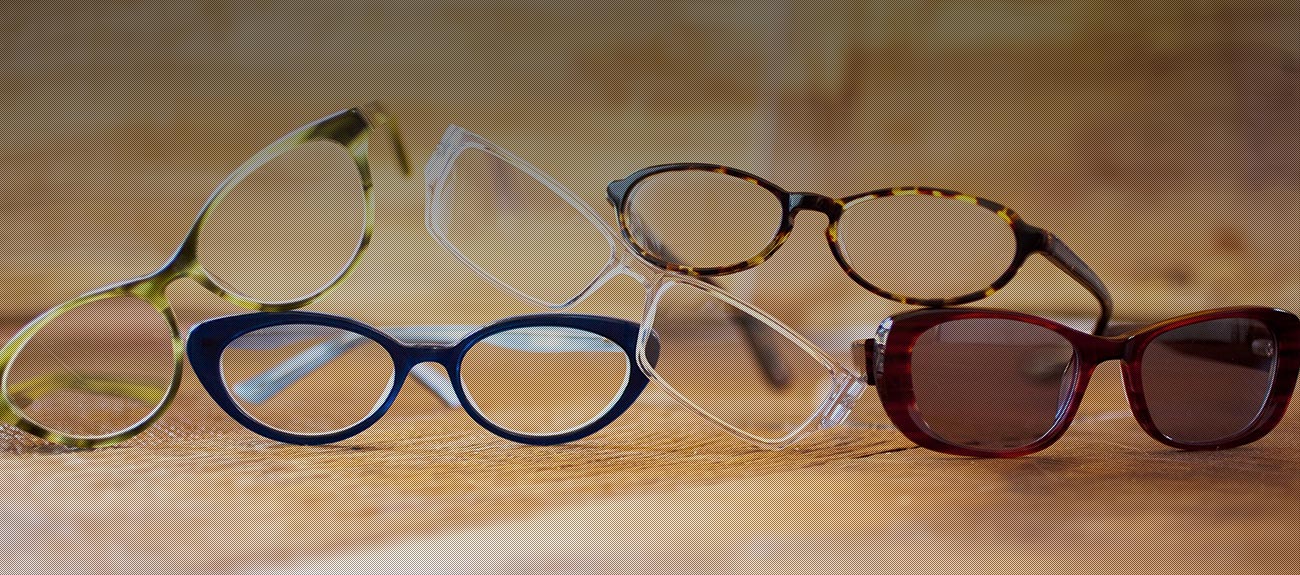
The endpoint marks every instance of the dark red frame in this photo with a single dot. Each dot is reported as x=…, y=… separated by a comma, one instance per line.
x=887, y=363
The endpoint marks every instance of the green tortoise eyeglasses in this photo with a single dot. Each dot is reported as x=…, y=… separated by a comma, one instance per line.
x=100, y=368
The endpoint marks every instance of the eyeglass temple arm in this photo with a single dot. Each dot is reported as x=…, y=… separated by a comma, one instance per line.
x=864, y=358
x=27, y=392
x=1069, y=262
x=380, y=116
x=263, y=386
x=759, y=339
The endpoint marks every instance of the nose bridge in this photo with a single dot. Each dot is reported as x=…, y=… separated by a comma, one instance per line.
x=436, y=379
x=832, y=207
x=441, y=354
x=1107, y=349
x=628, y=264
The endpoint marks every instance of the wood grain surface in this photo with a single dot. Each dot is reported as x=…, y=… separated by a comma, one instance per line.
x=658, y=491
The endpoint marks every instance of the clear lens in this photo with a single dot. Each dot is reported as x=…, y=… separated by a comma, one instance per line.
x=98, y=369
x=991, y=383
x=713, y=357
x=1208, y=381
x=307, y=379
x=289, y=228
x=516, y=229
x=544, y=380
x=926, y=246
x=702, y=219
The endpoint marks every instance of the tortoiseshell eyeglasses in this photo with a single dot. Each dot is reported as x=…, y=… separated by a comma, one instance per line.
x=712, y=220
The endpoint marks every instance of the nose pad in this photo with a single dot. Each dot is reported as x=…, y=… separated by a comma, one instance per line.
x=852, y=388
x=1264, y=348
x=435, y=379
x=1069, y=378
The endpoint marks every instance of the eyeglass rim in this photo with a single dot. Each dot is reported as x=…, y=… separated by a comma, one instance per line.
x=821, y=417
x=888, y=359
x=455, y=141
x=14, y=415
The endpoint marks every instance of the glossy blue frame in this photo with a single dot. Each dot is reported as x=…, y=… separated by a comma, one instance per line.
x=208, y=340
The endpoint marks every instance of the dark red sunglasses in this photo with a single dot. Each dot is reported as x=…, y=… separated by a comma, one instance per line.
x=994, y=383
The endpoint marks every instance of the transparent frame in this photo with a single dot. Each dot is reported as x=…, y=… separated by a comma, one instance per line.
x=846, y=386
x=352, y=129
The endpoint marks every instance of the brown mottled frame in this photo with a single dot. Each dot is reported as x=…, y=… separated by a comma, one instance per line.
x=1029, y=239
x=887, y=360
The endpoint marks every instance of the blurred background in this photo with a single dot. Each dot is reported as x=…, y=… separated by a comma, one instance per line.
x=1158, y=139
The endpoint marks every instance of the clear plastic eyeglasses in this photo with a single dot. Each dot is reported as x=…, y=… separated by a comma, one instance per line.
x=528, y=235
x=102, y=367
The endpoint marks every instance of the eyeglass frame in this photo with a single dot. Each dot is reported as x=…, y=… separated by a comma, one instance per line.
x=208, y=340
x=350, y=128
x=886, y=361
x=1029, y=239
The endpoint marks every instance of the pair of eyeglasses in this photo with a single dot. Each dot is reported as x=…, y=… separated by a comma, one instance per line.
x=713, y=220
x=1004, y=384
x=717, y=355
x=540, y=379
x=102, y=367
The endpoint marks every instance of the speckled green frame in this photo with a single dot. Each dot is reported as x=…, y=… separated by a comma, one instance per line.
x=351, y=128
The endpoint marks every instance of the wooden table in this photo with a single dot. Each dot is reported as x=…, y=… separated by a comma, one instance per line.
x=658, y=491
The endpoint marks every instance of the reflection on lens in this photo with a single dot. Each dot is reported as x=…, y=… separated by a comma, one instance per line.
x=926, y=246
x=544, y=380
x=289, y=228
x=1208, y=381
x=516, y=229
x=96, y=370
x=706, y=355
x=702, y=219
x=307, y=379
x=991, y=383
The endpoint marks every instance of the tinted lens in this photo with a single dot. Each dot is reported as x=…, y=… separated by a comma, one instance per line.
x=98, y=369
x=289, y=228
x=991, y=383
x=702, y=219
x=544, y=380
x=713, y=354
x=307, y=379
x=1208, y=381
x=926, y=246
x=516, y=229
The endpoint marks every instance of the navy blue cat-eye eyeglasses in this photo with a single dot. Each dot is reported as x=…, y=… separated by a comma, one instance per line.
x=312, y=378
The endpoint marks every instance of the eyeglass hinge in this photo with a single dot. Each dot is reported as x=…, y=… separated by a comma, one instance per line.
x=853, y=389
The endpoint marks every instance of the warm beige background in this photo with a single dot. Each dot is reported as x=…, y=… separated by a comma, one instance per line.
x=1159, y=139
